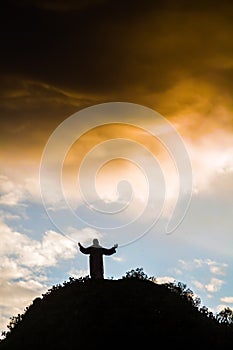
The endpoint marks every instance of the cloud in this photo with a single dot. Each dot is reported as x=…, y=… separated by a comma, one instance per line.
x=16, y=293
x=118, y=258
x=22, y=257
x=134, y=51
x=165, y=279
x=24, y=263
x=62, y=5
x=23, y=266
x=211, y=159
x=36, y=254
x=219, y=270
x=214, y=285
x=202, y=275
x=84, y=235
x=10, y=270
x=19, y=189
x=38, y=109
x=77, y=273
x=207, y=223
x=16, y=296
x=213, y=266
x=11, y=194
x=198, y=285
x=228, y=300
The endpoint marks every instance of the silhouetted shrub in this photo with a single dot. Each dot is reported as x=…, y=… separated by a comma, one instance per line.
x=136, y=273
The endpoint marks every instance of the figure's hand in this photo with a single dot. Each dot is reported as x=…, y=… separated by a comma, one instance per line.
x=79, y=244
x=115, y=245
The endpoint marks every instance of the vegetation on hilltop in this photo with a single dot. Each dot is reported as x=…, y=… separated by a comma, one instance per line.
x=85, y=313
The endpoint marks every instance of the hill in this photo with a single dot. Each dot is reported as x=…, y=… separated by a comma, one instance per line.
x=134, y=310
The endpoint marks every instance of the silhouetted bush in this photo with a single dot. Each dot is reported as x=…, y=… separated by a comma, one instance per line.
x=137, y=273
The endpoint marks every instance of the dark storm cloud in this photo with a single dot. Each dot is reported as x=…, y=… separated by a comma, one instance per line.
x=61, y=5
x=30, y=111
x=114, y=47
x=60, y=56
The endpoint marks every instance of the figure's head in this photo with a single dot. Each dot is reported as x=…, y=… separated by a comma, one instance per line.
x=95, y=241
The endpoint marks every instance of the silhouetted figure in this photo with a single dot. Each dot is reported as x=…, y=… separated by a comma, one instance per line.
x=96, y=253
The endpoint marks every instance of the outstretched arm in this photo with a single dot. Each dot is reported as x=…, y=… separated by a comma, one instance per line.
x=83, y=250
x=110, y=251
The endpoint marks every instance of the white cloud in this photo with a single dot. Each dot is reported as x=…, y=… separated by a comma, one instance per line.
x=191, y=265
x=32, y=253
x=6, y=185
x=165, y=279
x=198, y=285
x=214, y=285
x=118, y=258
x=214, y=267
x=23, y=264
x=10, y=270
x=228, y=300
x=211, y=156
x=11, y=193
x=219, y=270
x=78, y=273
x=85, y=235
x=48, y=252
x=9, y=216
x=177, y=271
x=14, y=191
x=15, y=297
x=185, y=265
x=14, y=294
x=204, y=272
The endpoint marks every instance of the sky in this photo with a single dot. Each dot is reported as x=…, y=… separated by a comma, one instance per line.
x=116, y=124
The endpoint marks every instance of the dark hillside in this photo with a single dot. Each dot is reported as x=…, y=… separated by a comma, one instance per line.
x=133, y=310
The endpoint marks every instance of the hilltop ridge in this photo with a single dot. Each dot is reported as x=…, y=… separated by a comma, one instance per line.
x=83, y=313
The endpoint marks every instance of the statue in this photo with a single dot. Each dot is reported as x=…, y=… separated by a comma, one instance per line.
x=96, y=253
